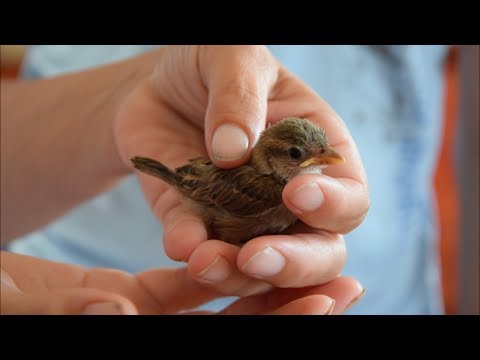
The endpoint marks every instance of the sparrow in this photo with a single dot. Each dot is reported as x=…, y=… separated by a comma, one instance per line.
x=242, y=203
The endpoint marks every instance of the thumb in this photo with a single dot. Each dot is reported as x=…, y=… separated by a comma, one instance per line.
x=74, y=301
x=238, y=82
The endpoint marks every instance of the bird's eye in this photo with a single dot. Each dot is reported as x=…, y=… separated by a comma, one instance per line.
x=294, y=153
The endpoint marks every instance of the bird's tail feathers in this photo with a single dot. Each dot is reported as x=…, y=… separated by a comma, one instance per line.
x=154, y=168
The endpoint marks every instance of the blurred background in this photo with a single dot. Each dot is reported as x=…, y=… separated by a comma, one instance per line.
x=459, y=257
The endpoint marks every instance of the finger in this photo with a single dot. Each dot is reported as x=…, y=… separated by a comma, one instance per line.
x=239, y=82
x=299, y=260
x=214, y=263
x=300, y=305
x=183, y=231
x=156, y=291
x=73, y=301
x=344, y=290
x=200, y=312
x=335, y=204
x=309, y=305
x=173, y=290
x=349, y=184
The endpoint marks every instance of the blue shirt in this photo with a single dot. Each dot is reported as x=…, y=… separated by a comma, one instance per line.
x=391, y=100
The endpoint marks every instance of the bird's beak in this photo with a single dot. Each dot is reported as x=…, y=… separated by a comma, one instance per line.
x=329, y=157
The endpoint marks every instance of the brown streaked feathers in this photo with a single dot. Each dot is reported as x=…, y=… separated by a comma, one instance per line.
x=242, y=203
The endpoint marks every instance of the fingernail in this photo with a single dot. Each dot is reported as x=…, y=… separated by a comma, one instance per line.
x=229, y=143
x=7, y=280
x=356, y=300
x=217, y=271
x=307, y=197
x=104, y=308
x=265, y=263
x=330, y=308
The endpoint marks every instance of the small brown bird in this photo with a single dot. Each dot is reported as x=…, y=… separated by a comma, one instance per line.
x=242, y=203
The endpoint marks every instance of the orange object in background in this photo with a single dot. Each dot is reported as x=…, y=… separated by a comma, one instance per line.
x=8, y=72
x=10, y=59
x=446, y=188
x=444, y=182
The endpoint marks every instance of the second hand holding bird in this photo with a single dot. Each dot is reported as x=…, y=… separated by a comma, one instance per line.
x=242, y=203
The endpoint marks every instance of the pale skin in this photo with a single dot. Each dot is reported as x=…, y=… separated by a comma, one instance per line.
x=69, y=138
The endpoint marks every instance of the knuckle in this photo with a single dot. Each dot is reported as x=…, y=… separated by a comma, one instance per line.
x=330, y=266
x=353, y=220
x=242, y=92
x=240, y=102
x=343, y=214
x=252, y=50
x=315, y=221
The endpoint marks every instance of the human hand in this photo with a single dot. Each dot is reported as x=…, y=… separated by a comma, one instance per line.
x=35, y=286
x=215, y=101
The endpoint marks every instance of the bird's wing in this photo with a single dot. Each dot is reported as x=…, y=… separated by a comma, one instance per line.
x=241, y=191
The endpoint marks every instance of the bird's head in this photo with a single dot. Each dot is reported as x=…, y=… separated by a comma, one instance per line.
x=293, y=146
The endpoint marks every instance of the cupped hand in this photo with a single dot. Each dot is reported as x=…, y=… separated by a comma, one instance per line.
x=215, y=101
x=34, y=286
